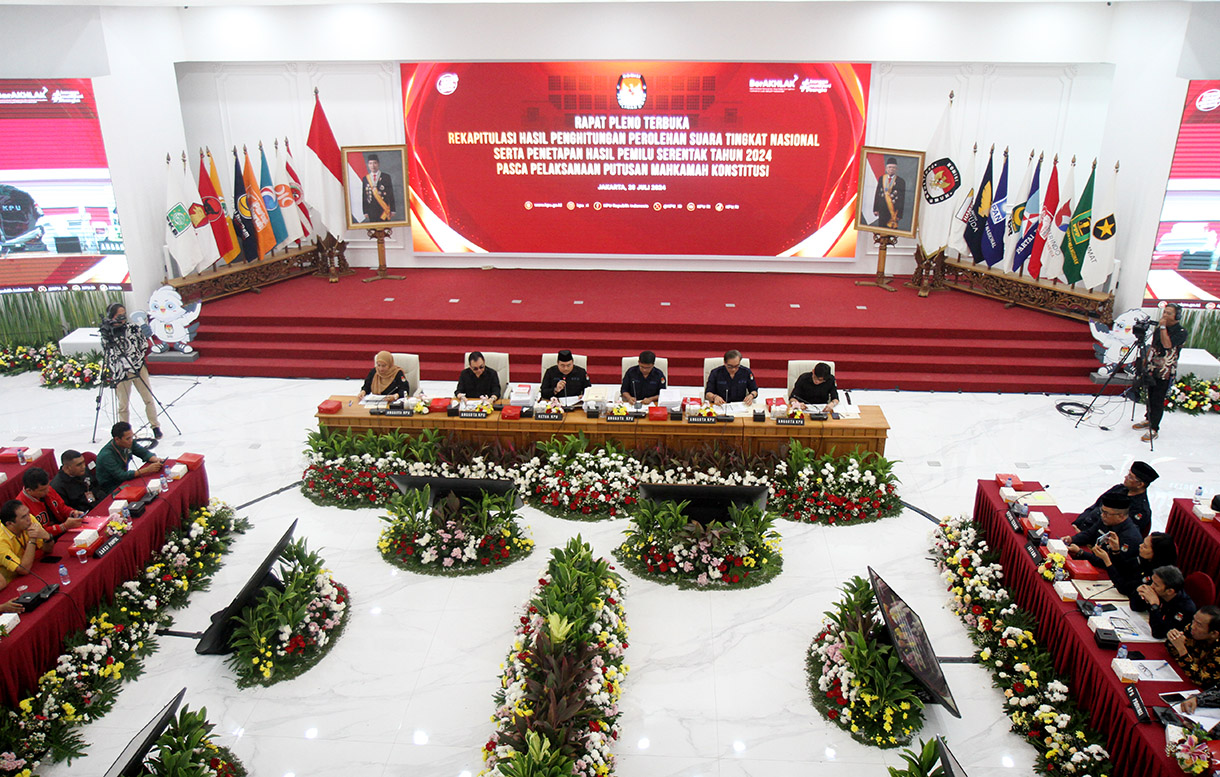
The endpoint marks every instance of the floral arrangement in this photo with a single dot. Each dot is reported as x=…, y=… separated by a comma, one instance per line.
x=1190, y=751
x=1194, y=396
x=552, y=405
x=620, y=409
x=557, y=710
x=85, y=682
x=570, y=481
x=186, y=747
x=1052, y=567
x=854, y=680
x=61, y=371
x=855, y=488
x=454, y=536
x=419, y=404
x=287, y=632
x=796, y=412
x=16, y=359
x=1036, y=700
x=704, y=409
x=662, y=544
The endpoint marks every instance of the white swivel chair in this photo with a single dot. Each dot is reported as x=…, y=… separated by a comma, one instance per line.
x=551, y=359
x=498, y=361
x=798, y=367
x=661, y=364
x=409, y=363
x=712, y=363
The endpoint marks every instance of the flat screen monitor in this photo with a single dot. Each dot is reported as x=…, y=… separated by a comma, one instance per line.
x=215, y=640
x=462, y=488
x=911, y=643
x=948, y=762
x=131, y=761
x=706, y=503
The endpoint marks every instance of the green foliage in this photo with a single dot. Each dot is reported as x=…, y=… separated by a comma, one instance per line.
x=1203, y=330
x=539, y=760
x=36, y=318
x=185, y=749
x=924, y=762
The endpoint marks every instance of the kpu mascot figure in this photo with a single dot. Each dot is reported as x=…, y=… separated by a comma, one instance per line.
x=173, y=326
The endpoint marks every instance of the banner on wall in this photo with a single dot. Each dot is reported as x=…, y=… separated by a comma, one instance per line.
x=59, y=228
x=652, y=158
x=1185, y=264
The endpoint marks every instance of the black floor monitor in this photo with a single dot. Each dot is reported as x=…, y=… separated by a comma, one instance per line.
x=706, y=503
x=911, y=643
x=130, y=762
x=216, y=639
x=948, y=763
x=462, y=488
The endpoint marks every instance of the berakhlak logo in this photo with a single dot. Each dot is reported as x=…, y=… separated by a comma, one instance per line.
x=940, y=181
x=1208, y=101
x=447, y=83
x=632, y=91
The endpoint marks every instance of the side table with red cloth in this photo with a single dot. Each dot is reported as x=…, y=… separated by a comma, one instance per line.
x=1136, y=749
x=1198, y=541
x=11, y=487
x=35, y=644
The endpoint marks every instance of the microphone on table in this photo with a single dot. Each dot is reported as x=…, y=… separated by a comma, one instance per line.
x=49, y=589
x=635, y=391
x=30, y=571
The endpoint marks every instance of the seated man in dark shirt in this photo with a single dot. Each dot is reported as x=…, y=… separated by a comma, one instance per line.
x=1197, y=648
x=564, y=379
x=643, y=382
x=731, y=382
x=73, y=482
x=1169, y=606
x=1113, y=520
x=1135, y=485
x=477, y=380
x=817, y=388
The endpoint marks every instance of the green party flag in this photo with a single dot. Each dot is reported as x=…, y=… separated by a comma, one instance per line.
x=1076, y=238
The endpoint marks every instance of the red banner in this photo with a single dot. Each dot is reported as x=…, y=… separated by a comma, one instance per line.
x=660, y=158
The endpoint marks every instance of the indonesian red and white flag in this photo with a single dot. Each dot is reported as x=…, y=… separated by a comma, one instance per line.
x=328, y=171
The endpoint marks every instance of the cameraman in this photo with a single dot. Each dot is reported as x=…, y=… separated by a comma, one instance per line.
x=1167, y=341
x=124, y=344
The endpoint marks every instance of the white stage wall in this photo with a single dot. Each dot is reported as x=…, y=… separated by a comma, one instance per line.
x=1083, y=78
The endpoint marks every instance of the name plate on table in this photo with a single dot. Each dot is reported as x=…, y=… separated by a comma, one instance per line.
x=701, y=419
x=620, y=419
x=472, y=414
x=548, y=416
x=1034, y=555
x=105, y=547
x=401, y=412
x=1013, y=522
x=790, y=422
x=1137, y=704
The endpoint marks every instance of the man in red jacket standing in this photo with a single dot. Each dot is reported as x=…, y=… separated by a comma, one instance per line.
x=46, y=506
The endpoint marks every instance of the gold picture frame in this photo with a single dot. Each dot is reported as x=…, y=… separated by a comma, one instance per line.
x=385, y=205
x=896, y=211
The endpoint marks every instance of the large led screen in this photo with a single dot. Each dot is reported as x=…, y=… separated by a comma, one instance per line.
x=640, y=158
x=1186, y=259
x=59, y=228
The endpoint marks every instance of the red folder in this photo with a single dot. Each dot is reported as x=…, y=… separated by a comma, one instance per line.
x=510, y=413
x=193, y=461
x=132, y=492
x=439, y=405
x=658, y=414
x=9, y=455
x=330, y=407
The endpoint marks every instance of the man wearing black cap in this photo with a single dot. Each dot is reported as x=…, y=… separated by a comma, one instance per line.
x=1135, y=485
x=564, y=379
x=1114, y=521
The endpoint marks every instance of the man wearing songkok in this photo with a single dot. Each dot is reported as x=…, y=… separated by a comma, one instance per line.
x=564, y=378
x=1135, y=485
x=1169, y=606
x=1114, y=522
x=1197, y=650
x=477, y=380
x=643, y=382
x=46, y=506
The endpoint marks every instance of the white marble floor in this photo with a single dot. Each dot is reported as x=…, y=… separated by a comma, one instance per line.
x=717, y=686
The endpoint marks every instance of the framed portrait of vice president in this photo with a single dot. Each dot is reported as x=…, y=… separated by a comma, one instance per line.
x=375, y=187
x=888, y=200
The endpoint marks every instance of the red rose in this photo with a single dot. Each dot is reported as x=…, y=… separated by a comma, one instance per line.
x=832, y=714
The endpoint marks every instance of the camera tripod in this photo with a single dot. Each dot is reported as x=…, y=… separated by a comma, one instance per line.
x=109, y=381
x=1138, y=349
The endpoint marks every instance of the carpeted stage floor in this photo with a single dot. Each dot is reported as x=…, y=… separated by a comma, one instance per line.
x=950, y=341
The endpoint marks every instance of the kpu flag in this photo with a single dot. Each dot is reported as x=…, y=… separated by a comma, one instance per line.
x=939, y=185
x=1080, y=229
x=1099, y=259
x=976, y=219
x=997, y=220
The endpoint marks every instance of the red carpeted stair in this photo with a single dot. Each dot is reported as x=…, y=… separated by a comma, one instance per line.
x=949, y=341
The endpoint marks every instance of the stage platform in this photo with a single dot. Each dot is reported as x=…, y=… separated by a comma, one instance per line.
x=950, y=341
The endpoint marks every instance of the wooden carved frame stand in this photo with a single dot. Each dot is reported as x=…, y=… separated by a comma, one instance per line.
x=313, y=259
x=929, y=273
x=883, y=242
x=1037, y=294
x=382, y=275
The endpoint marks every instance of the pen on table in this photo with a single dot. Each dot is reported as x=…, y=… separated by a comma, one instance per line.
x=349, y=402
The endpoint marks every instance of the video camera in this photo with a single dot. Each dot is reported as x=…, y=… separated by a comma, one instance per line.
x=1141, y=328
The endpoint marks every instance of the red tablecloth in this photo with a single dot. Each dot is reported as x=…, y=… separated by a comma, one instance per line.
x=1137, y=749
x=1198, y=541
x=11, y=487
x=34, y=646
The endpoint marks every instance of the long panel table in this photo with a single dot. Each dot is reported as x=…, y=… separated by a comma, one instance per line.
x=1198, y=541
x=35, y=644
x=13, y=472
x=868, y=432
x=1137, y=749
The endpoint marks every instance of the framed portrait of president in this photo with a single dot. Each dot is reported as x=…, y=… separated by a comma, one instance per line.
x=375, y=187
x=888, y=199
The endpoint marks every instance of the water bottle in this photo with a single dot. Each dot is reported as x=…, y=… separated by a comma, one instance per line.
x=164, y=483
x=1122, y=650
x=1097, y=610
x=63, y=576
x=1008, y=482
x=21, y=457
x=1199, y=495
